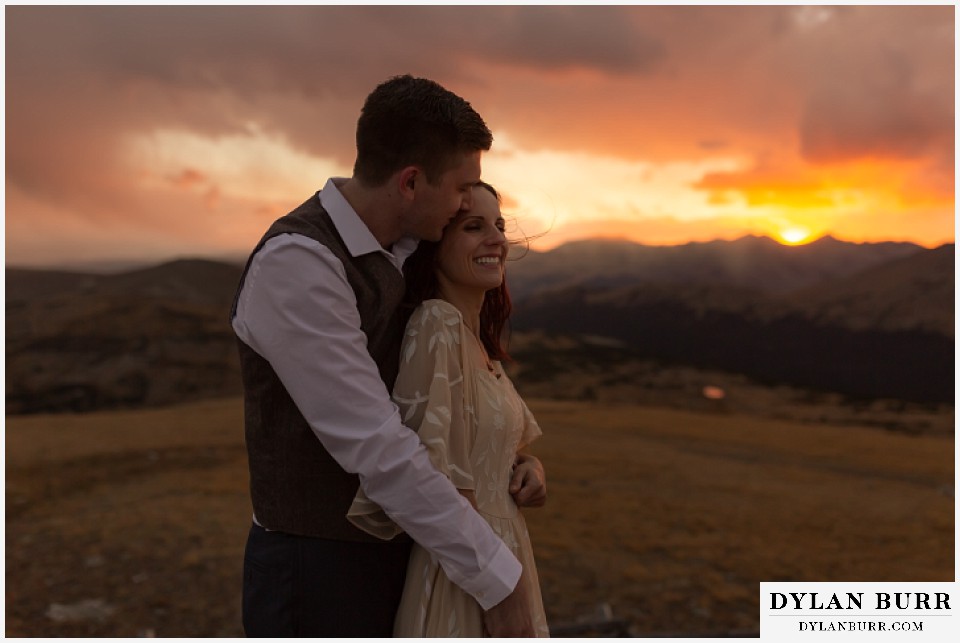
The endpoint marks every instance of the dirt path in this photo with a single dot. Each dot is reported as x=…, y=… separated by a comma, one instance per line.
x=132, y=523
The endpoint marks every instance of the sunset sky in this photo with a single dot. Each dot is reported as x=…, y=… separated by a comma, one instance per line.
x=156, y=132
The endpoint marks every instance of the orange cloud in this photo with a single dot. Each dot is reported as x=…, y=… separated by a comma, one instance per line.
x=849, y=111
x=762, y=186
x=212, y=198
x=188, y=178
x=892, y=183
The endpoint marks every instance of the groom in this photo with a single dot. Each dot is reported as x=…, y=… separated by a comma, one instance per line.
x=319, y=339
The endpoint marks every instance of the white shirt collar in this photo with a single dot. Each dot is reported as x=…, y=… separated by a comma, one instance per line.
x=354, y=232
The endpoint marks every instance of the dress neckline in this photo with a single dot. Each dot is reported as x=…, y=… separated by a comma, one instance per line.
x=489, y=365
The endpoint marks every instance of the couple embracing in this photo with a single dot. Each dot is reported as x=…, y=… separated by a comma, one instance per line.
x=383, y=435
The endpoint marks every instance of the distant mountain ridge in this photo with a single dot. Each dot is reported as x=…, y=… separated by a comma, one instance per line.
x=751, y=262
x=913, y=292
x=882, y=331
x=199, y=280
x=153, y=336
x=160, y=334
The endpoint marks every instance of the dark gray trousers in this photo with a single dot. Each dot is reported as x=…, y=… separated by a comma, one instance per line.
x=301, y=586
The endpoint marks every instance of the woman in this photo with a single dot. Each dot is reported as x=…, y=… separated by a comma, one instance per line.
x=453, y=391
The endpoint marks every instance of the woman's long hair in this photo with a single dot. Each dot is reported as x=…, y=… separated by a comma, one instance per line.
x=420, y=274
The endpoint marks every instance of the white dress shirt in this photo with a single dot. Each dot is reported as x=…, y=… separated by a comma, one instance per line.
x=297, y=311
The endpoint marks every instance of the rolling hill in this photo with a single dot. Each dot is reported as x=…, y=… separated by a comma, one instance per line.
x=861, y=319
x=884, y=331
x=912, y=293
x=149, y=337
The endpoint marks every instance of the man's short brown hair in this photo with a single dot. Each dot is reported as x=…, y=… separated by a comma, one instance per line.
x=415, y=121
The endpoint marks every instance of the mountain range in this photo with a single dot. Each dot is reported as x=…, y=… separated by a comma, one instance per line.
x=865, y=320
x=148, y=337
x=751, y=263
x=831, y=315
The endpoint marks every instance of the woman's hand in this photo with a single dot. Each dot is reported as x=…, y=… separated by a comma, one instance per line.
x=528, y=486
x=513, y=616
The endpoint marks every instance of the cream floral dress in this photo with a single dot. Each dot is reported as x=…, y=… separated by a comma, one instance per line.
x=472, y=422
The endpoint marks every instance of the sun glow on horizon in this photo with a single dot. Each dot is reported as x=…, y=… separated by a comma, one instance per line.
x=213, y=194
x=795, y=236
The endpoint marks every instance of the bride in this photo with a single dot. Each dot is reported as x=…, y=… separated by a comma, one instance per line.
x=453, y=391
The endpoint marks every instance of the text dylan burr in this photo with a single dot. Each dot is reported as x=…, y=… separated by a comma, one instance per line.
x=854, y=601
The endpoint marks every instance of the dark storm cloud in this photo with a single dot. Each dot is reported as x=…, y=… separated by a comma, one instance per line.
x=217, y=68
x=887, y=94
x=313, y=50
x=80, y=76
x=808, y=85
x=568, y=37
x=877, y=115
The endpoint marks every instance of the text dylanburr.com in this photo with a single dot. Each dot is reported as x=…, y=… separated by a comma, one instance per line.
x=859, y=611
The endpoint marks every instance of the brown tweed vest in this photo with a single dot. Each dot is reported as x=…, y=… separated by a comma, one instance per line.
x=295, y=485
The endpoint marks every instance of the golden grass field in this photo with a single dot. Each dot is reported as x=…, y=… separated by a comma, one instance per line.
x=132, y=523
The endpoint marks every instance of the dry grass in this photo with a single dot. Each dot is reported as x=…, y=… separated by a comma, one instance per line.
x=675, y=517
x=671, y=517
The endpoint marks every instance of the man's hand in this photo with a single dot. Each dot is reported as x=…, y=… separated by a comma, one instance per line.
x=528, y=486
x=512, y=617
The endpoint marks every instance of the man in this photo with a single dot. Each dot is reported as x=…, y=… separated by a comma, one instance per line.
x=319, y=339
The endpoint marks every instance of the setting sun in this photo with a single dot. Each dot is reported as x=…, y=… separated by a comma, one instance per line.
x=795, y=235
x=625, y=131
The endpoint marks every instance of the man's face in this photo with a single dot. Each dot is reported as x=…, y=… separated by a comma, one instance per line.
x=435, y=205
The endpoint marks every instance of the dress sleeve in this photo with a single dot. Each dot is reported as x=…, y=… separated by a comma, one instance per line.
x=430, y=393
x=531, y=430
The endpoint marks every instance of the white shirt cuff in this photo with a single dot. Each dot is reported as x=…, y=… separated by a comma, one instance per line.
x=497, y=581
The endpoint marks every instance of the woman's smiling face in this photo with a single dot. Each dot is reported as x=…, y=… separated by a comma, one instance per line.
x=473, y=249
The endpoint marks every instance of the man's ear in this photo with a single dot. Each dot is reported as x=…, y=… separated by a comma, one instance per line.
x=407, y=180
